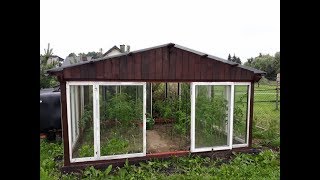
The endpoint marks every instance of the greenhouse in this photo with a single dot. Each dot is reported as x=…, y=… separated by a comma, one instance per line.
x=156, y=102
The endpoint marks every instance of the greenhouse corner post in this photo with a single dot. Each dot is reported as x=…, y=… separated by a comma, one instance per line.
x=64, y=123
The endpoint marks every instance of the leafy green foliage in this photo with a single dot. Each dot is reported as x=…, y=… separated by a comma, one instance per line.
x=86, y=151
x=211, y=112
x=87, y=116
x=264, y=165
x=122, y=108
x=149, y=121
x=47, y=81
x=116, y=145
x=269, y=64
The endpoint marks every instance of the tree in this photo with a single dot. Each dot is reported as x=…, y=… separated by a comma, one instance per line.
x=229, y=57
x=72, y=55
x=265, y=63
x=238, y=60
x=45, y=80
x=277, y=62
x=234, y=58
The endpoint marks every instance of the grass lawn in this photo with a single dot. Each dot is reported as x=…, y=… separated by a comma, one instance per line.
x=265, y=165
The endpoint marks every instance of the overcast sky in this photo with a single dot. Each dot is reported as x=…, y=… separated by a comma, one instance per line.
x=216, y=27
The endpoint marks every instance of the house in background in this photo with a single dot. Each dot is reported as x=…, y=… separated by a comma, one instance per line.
x=54, y=59
x=115, y=50
x=111, y=52
x=75, y=59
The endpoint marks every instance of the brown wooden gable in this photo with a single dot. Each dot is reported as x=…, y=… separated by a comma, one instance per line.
x=159, y=64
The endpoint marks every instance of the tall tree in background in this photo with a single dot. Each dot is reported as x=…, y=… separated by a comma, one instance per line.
x=72, y=55
x=269, y=64
x=45, y=80
x=229, y=57
x=234, y=58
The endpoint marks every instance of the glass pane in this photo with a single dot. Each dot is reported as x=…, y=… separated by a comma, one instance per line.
x=81, y=112
x=211, y=115
x=240, y=114
x=121, y=119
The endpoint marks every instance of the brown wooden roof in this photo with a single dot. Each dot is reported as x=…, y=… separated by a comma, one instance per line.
x=168, y=62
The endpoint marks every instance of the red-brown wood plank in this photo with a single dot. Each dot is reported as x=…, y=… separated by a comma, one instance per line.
x=115, y=68
x=209, y=69
x=145, y=65
x=191, y=65
x=232, y=72
x=203, y=68
x=84, y=71
x=67, y=73
x=226, y=70
x=158, y=60
x=108, y=69
x=64, y=123
x=130, y=67
x=165, y=63
x=123, y=69
x=185, y=65
x=99, y=70
x=172, y=63
x=178, y=64
x=91, y=70
x=238, y=74
x=137, y=66
x=152, y=64
x=222, y=67
x=197, y=66
x=216, y=69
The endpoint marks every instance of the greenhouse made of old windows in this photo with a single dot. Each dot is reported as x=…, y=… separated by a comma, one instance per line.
x=156, y=102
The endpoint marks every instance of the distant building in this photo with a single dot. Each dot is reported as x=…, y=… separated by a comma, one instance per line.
x=111, y=52
x=54, y=59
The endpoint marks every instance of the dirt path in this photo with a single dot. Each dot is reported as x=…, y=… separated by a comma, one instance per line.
x=155, y=143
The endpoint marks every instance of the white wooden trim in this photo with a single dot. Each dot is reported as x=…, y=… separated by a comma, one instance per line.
x=248, y=114
x=85, y=83
x=76, y=107
x=231, y=117
x=192, y=130
x=69, y=120
x=246, y=143
x=96, y=121
x=215, y=148
x=240, y=145
x=242, y=83
x=121, y=156
x=72, y=125
x=230, y=98
x=144, y=119
x=213, y=83
x=151, y=99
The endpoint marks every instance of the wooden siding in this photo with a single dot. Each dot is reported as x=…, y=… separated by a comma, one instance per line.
x=161, y=64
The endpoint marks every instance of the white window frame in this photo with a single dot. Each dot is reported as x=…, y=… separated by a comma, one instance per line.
x=230, y=97
x=96, y=120
x=248, y=113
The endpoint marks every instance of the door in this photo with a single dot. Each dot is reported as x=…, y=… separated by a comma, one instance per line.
x=211, y=116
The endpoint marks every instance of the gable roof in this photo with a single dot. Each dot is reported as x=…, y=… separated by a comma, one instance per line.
x=113, y=48
x=255, y=71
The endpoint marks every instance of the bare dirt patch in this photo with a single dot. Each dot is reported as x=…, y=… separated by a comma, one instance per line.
x=162, y=139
